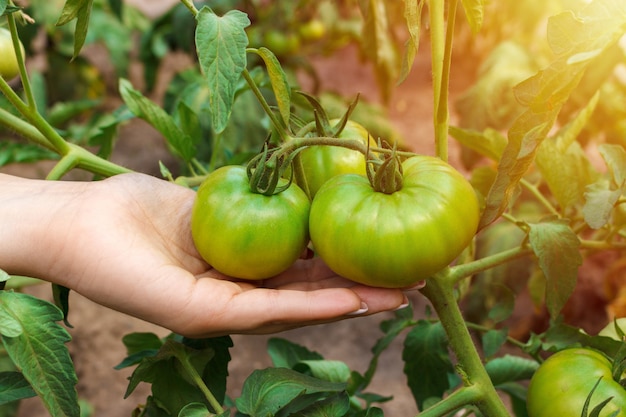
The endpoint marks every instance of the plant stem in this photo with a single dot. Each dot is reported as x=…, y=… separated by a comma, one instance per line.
x=440, y=291
x=197, y=379
x=539, y=196
x=32, y=103
x=51, y=135
x=280, y=128
x=189, y=4
x=441, y=52
x=459, y=272
x=24, y=129
x=65, y=165
x=453, y=402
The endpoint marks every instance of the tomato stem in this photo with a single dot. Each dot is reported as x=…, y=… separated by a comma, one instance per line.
x=21, y=62
x=455, y=401
x=197, y=379
x=466, y=270
x=280, y=128
x=440, y=291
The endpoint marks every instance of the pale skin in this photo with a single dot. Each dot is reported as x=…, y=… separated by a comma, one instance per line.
x=125, y=243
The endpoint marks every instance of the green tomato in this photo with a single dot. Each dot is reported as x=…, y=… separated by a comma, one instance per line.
x=312, y=30
x=563, y=382
x=394, y=240
x=321, y=163
x=247, y=235
x=9, y=67
x=282, y=43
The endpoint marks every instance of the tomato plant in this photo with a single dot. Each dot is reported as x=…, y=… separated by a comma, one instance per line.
x=9, y=67
x=396, y=239
x=563, y=382
x=245, y=234
x=528, y=135
x=320, y=163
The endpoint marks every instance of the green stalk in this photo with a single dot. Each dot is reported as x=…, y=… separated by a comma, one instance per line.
x=440, y=291
x=189, y=4
x=52, y=136
x=437, y=23
x=280, y=129
x=28, y=91
x=197, y=379
x=466, y=270
x=24, y=129
x=539, y=196
x=455, y=401
x=65, y=165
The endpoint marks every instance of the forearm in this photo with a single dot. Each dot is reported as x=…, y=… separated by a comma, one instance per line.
x=32, y=217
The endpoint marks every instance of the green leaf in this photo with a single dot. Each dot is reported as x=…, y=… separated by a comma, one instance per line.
x=391, y=328
x=81, y=11
x=413, y=18
x=140, y=341
x=195, y=410
x=503, y=308
x=172, y=385
x=474, y=10
x=215, y=373
x=221, y=45
x=615, y=158
x=378, y=45
x=600, y=200
x=426, y=361
x=334, y=405
x=564, y=164
x=61, y=296
x=517, y=395
x=560, y=336
x=14, y=387
x=268, y=390
x=278, y=80
x=556, y=247
x=145, y=109
x=598, y=26
x=493, y=340
x=332, y=371
x=286, y=354
x=39, y=351
x=138, y=347
x=489, y=143
x=509, y=368
x=16, y=152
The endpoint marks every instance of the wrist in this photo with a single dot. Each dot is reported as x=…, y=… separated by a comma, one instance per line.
x=32, y=216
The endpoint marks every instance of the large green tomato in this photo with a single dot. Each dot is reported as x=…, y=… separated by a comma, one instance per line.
x=320, y=163
x=8, y=60
x=247, y=235
x=563, y=382
x=394, y=240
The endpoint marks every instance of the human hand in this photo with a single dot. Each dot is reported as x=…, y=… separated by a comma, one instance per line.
x=125, y=243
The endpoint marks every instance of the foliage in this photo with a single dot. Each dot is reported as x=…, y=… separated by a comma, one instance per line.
x=538, y=110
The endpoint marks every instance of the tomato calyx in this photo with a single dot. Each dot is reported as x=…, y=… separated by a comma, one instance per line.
x=386, y=176
x=266, y=169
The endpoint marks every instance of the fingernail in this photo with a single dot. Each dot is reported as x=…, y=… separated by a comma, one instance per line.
x=360, y=311
x=416, y=287
x=404, y=304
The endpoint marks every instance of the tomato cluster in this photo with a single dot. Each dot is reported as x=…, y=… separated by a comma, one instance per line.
x=375, y=238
